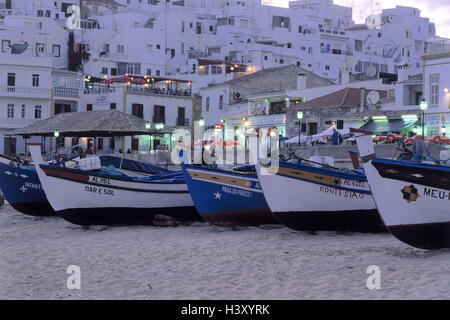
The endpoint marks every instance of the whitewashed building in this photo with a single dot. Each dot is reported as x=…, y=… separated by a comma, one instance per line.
x=436, y=84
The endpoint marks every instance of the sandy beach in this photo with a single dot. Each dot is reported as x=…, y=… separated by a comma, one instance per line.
x=206, y=262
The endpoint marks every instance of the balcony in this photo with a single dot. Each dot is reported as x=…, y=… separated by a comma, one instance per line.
x=437, y=46
x=66, y=92
x=25, y=92
x=159, y=91
x=159, y=119
x=183, y=122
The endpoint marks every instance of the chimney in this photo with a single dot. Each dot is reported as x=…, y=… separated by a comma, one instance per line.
x=301, y=81
x=363, y=100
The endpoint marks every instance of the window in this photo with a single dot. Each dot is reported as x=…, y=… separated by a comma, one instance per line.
x=159, y=115
x=100, y=143
x=104, y=70
x=37, y=112
x=40, y=13
x=23, y=111
x=137, y=110
x=220, y=102
x=266, y=58
x=149, y=72
x=358, y=67
x=56, y=50
x=158, y=46
x=11, y=79
x=181, y=119
x=120, y=48
x=40, y=48
x=289, y=45
x=211, y=28
x=434, y=90
x=10, y=111
x=149, y=48
x=89, y=107
x=358, y=45
x=299, y=64
x=5, y=45
x=340, y=124
x=47, y=13
x=113, y=106
x=207, y=104
x=35, y=80
x=327, y=67
x=182, y=26
x=216, y=69
x=158, y=72
x=114, y=71
x=310, y=50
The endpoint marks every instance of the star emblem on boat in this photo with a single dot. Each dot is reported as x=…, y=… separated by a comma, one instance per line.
x=218, y=195
x=410, y=193
x=23, y=189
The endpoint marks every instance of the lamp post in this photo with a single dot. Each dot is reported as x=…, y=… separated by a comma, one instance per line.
x=300, y=118
x=443, y=130
x=201, y=122
x=56, y=135
x=148, y=126
x=423, y=107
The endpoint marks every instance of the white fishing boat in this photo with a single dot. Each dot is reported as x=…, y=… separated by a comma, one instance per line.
x=90, y=196
x=412, y=197
x=313, y=197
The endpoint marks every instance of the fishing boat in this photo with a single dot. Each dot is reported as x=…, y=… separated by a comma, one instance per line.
x=305, y=195
x=412, y=197
x=90, y=196
x=228, y=197
x=22, y=189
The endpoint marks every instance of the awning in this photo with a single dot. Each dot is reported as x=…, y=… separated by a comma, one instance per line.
x=379, y=126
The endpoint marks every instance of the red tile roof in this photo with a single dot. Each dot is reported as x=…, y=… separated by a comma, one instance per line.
x=347, y=97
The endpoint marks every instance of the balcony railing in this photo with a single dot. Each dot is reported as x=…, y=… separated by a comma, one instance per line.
x=165, y=92
x=437, y=46
x=159, y=119
x=66, y=92
x=182, y=122
x=24, y=90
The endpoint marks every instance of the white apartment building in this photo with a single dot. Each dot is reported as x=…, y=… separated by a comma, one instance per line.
x=436, y=84
x=164, y=101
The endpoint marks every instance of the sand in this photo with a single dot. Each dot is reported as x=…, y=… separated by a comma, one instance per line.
x=206, y=262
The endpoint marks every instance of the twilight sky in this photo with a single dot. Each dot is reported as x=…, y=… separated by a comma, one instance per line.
x=437, y=10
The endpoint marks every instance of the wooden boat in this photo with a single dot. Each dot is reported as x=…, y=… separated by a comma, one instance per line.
x=22, y=189
x=412, y=198
x=305, y=197
x=95, y=197
x=232, y=197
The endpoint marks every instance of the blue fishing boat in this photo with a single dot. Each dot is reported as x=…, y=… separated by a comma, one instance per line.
x=228, y=197
x=23, y=191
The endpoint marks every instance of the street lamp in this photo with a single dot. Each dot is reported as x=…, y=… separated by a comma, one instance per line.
x=423, y=107
x=443, y=130
x=300, y=118
x=415, y=130
x=201, y=122
x=56, y=135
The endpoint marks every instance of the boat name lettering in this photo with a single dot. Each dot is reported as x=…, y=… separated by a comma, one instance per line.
x=342, y=193
x=437, y=194
x=101, y=191
x=33, y=185
x=354, y=183
x=237, y=192
x=99, y=180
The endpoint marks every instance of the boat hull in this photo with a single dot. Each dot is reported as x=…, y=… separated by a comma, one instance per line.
x=413, y=200
x=88, y=198
x=307, y=198
x=227, y=198
x=23, y=191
